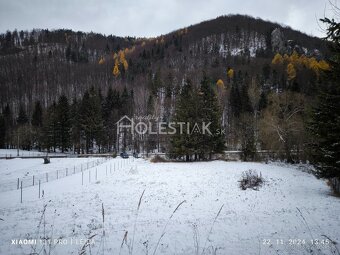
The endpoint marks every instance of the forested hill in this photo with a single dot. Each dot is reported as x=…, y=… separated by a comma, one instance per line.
x=42, y=64
x=65, y=89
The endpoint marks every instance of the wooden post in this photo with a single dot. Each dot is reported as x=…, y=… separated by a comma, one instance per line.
x=18, y=184
x=33, y=180
x=21, y=193
x=39, y=188
x=46, y=177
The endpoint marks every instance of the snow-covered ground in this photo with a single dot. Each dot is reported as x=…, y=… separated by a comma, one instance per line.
x=290, y=210
x=24, y=153
x=25, y=169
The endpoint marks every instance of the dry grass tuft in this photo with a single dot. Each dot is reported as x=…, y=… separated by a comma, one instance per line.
x=251, y=180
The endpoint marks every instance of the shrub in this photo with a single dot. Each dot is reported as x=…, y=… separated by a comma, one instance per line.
x=251, y=179
x=158, y=159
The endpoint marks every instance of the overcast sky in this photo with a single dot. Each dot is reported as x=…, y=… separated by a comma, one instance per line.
x=153, y=17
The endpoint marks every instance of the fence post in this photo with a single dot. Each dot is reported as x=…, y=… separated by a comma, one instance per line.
x=21, y=193
x=18, y=184
x=39, y=188
x=33, y=180
x=46, y=177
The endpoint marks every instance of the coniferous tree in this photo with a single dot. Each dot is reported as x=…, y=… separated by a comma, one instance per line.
x=245, y=101
x=22, y=116
x=110, y=117
x=2, y=131
x=23, y=130
x=235, y=100
x=210, y=113
x=182, y=142
x=247, y=137
x=50, y=128
x=37, y=123
x=200, y=137
x=325, y=123
x=124, y=103
x=91, y=118
x=37, y=115
x=75, y=126
x=8, y=119
x=125, y=109
x=149, y=142
x=63, y=123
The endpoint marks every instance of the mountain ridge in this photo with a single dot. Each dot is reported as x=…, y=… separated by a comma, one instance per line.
x=68, y=62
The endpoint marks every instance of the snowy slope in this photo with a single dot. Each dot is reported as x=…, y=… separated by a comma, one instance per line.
x=292, y=205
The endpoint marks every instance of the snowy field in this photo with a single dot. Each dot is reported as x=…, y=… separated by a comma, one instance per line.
x=23, y=153
x=217, y=217
x=25, y=169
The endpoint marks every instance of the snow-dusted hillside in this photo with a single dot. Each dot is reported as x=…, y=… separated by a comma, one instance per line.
x=290, y=210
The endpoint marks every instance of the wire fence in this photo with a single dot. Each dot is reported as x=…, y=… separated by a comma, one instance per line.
x=33, y=180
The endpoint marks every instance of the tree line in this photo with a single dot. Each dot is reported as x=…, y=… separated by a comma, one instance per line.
x=81, y=126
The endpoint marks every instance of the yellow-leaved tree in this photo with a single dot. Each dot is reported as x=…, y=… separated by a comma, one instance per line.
x=323, y=65
x=295, y=63
x=278, y=59
x=115, y=70
x=313, y=64
x=122, y=60
x=230, y=73
x=125, y=64
x=294, y=58
x=220, y=84
x=101, y=61
x=291, y=72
